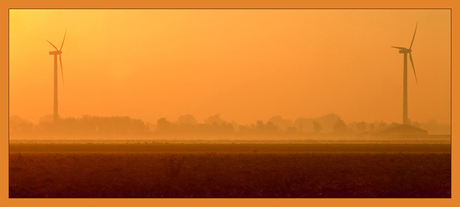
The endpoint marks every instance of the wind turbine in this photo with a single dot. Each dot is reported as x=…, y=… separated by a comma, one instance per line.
x=57, y=53
x=406, y=51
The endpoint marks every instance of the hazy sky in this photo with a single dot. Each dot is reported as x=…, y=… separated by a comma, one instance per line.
x=246, y=65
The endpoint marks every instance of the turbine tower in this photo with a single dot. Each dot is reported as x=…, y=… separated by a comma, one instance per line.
x=57, y=53
x=406, y=51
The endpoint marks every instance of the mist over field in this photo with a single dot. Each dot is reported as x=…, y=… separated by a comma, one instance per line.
x=187, y=128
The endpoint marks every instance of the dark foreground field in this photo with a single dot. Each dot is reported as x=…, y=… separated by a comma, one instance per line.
x=229, y=171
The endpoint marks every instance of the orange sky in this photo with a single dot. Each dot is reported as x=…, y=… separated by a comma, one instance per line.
x=246, y=65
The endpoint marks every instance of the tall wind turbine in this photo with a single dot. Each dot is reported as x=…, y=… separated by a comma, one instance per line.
x=57, y=53
x=406, y=51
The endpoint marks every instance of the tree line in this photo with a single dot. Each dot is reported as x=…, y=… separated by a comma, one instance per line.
x=330, y=124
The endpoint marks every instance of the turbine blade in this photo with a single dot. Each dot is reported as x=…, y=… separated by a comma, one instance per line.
x=413, y=68
x=413, y=36
x=52, y=45
x=63, y=40
x=62, y=72
x=398, y=47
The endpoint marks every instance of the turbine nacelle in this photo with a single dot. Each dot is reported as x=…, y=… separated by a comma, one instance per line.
x=402, y=49
x=405, y=51
x=55, y=52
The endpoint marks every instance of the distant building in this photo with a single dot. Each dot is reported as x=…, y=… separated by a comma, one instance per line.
x=403, y=130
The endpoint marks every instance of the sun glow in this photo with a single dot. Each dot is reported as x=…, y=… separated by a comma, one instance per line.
x=244, y=64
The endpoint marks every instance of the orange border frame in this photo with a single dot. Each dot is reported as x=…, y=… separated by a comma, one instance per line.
x=6, y=5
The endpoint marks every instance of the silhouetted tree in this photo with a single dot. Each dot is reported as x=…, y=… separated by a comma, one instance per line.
x=215, y=124
x=291, y=130
x=244, y=129
x=281, y=123
x=187, y=120
x=216, y=118
x=20, y=126
x=163, y=124
x=382, y=126
x=361, y=126
x=186, y=124
x=416, y=124
x=260, y=125
x=393, y=124
x=269, y=127
x=371, y=127
x=316, y=127
x=340, y=127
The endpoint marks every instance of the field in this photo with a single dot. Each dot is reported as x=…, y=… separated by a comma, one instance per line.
x=162, y=170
